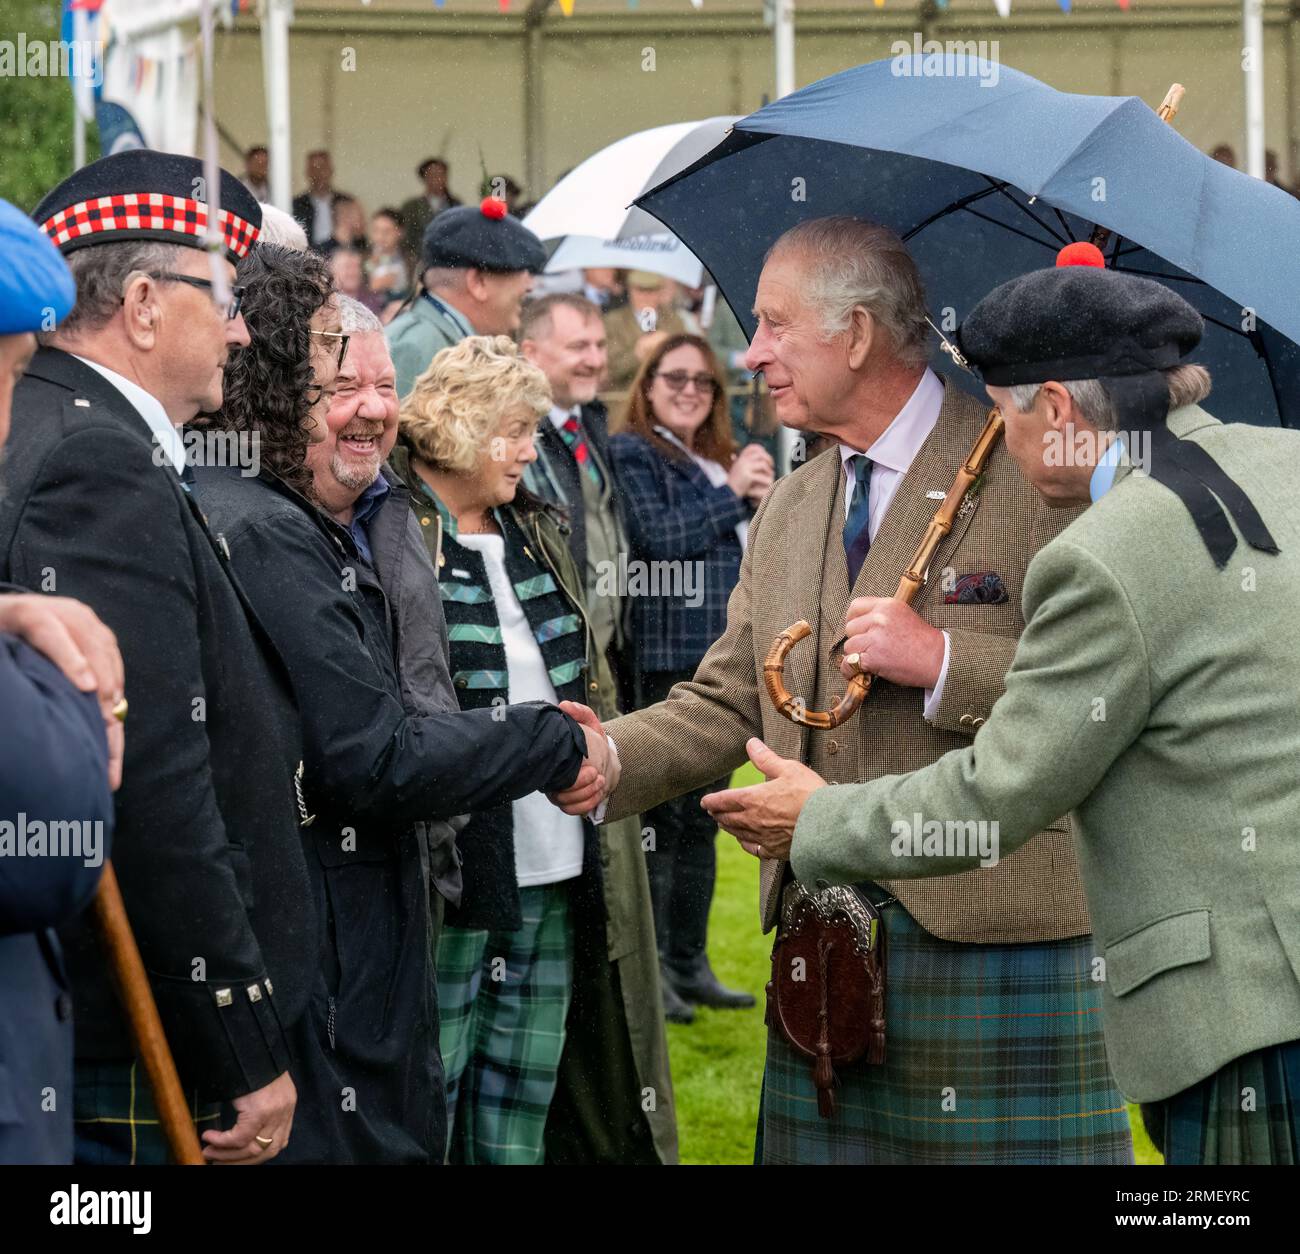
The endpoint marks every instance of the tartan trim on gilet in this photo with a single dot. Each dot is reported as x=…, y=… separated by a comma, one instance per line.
x=478, y=656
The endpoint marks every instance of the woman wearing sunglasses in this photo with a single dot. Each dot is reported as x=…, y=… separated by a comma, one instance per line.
x=689, y=496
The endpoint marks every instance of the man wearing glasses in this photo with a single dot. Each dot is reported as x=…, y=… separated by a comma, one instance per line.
x=95, y=503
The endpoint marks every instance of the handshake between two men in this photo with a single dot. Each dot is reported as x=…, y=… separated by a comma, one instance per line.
x=889, y=639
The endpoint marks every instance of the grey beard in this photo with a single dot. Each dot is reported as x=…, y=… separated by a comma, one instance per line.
x=353, y=478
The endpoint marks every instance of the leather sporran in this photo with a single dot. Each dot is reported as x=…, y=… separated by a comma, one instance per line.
x=827, y=992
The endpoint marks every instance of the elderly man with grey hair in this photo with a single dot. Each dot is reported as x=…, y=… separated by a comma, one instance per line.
x=992, y=1046
x=97, y=504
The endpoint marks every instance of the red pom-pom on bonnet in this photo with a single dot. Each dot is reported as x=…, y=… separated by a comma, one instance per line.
x=1081, y=253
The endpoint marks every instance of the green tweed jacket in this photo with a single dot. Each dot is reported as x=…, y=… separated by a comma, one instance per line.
x=414, y=337
x=794, y=568
x=1158, y=699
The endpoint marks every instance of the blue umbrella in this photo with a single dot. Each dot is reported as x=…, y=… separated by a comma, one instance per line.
x=986, y=173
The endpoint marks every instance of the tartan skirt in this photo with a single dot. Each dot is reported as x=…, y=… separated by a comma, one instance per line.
x=504, y=1000
x=994, y=1054
x=1246, y=1112
x=115, y=1122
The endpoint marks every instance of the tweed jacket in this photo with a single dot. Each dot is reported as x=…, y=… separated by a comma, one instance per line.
x=680, y=524
x=795, y=568
x=1155, y=696
x=416, y=335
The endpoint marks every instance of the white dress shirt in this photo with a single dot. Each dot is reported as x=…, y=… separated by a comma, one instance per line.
x=560, y=416
x=891, y=457
x=149, y=407
x=322, y=222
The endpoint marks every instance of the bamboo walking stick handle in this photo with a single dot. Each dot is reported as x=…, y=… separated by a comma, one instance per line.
x=142, y=1015
x=912, y=581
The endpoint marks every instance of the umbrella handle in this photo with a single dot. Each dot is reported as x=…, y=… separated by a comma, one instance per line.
x=795, y=708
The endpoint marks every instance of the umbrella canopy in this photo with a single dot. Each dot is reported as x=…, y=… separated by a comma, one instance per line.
x=986, y=172
x=660, y=254
x=593, y=199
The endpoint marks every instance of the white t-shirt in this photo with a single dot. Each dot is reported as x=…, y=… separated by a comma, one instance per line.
x=548, y=842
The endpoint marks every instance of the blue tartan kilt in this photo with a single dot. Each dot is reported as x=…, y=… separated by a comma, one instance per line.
x=994, y=1054
x=1246, y=1112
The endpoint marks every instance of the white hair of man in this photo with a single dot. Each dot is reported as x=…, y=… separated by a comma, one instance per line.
x=1189, y=384
x=354, y=317
x=281, y=228
x=850, y=263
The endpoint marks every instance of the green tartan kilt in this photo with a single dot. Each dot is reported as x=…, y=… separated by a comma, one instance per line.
x=504, y=999
x=1246, y=1112
x=115, y=1121
x=994, y=1054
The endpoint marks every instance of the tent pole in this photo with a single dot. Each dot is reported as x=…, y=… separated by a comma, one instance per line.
x=276, y=16
x=1252, y=28
x=783, y=39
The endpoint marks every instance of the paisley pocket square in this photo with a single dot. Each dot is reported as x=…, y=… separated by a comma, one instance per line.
x=984, y=587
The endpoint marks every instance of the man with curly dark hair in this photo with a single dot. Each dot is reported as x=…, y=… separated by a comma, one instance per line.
x=391, y=764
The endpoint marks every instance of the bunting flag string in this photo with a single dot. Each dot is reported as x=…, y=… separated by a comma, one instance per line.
x=566, y=6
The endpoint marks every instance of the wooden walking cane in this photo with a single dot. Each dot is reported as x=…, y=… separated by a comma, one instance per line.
x=912, y=581
x=142, y=1014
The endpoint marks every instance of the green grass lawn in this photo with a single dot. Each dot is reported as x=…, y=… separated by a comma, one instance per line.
x=717, y=1061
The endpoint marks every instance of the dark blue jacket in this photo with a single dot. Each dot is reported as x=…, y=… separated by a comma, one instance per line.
x=53, y=767
x=676, y=516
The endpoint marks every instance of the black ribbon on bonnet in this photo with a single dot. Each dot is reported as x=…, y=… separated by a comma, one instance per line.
x=1141, y=403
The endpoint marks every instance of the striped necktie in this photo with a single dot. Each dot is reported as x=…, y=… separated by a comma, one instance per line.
x=573, y=437
x=857, y=526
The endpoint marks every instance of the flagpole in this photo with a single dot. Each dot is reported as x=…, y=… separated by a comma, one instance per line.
x=80, y=85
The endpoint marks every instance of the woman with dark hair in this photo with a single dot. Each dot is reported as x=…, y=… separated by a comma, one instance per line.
x=278, y=389
x=688, y=497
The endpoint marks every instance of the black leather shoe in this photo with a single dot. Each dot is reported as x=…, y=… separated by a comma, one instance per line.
x=675, y=1010
x=704, y=989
